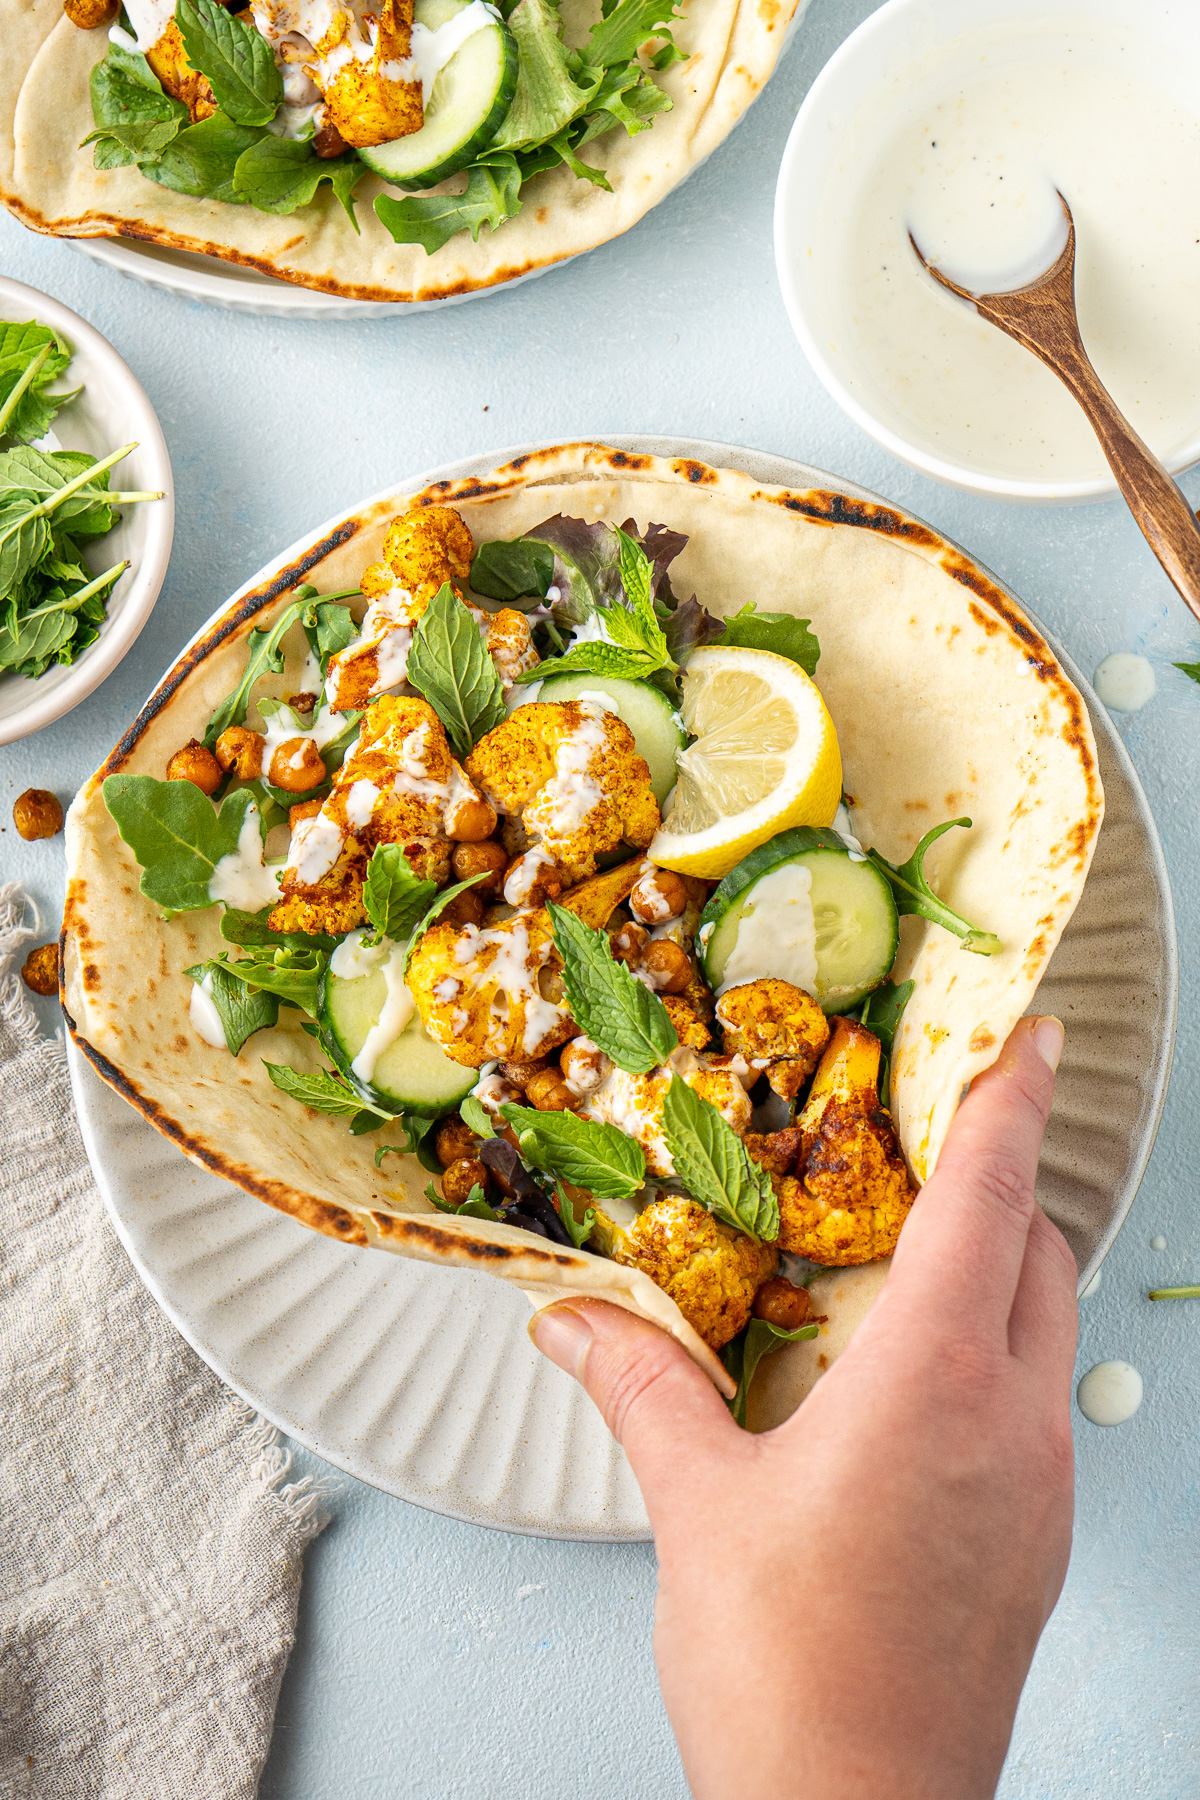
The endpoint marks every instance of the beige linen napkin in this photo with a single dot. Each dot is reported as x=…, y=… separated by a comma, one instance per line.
x=150, y=1553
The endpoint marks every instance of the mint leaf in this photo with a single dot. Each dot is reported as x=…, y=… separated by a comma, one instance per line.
x=621, y=33
x=439, y=906
x=449, y=664
x=202, y=159
x=778, y=632
x=264, y=658
x=511, y=571
x=237, y=61
x=241, y=1010
x=595, y=659
x=578, y=1230
x=492, y=195
x=291, y=975
x=279, y=174
x=589, y=1155
x=35, y=643
x=31, y=357
x=546, y=97
x=393, y=896
x=711, y=1161
x=1190, y=669
x=473, y=1207
x=914, y=894
x=743, y=1355
x=883, y=1007
x=475, y=1118
x=177, y=834
x=321, y=1091
x=621, y=1016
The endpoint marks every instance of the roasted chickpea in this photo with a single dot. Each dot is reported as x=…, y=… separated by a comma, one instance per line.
x=195, y=764
x=302, y=703
x=40, y=970
x=464, y=909
x=583, y=1066
x=241, y=750
x=522, y=1073
x=455, y=1141
x=780, y=1302
x=37, y=814
x=668, y=966
x=549, y=1092
x=496, y=915
x=461, y=1177
x=296, y=766
x=470, y=821
x=488, y=860
x=307, y=809
x=89, y=15
x=629, y=943
x=551, y=986
x=494, y=1092
x=659, y=895
x=328, y=142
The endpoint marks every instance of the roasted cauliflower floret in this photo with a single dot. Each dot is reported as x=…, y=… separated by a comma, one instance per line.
x=776, y=1027
x=711, y=1272
x=509, y=641
x=689, y=1026
x=399, y=785
x=635, y=1103
x=571, y=775
x=493, y=992
x=426, y=548
x=848, y=1192
x=372, y=100
x=169, y=60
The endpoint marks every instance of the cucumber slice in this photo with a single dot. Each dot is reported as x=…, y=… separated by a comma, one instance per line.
x=470, y=97
x=857, y=929
x=413, y=1074
x=654, y=722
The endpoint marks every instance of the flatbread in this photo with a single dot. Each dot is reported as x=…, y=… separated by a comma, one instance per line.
x=946, y=700
x=51, y=185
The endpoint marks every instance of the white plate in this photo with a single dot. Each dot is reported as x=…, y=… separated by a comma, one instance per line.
x=423, y=1381
x=112, y=410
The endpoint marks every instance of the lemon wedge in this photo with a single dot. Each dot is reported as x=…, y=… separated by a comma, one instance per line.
x=765, y=758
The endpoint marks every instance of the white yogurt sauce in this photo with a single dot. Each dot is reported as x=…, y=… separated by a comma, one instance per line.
x=1110, y=1393
x=353, y=958
x=202, y=1013
x=242, y=879
x=777, y=933
x=965, y=147
x=149, y=19
x=395, y=1014
x=1158, y=1243
x=1124, y=682
x=432, y=50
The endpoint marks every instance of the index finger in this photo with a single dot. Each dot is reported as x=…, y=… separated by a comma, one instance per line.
x=963, y=1245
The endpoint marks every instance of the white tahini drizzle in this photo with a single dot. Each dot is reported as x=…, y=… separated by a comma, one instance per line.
x=396, y=1012
x=241, y=879
x=432, y=50
x=1110, y=1393
x=203, y=1015
x=149, y=19
x=353, y=958
x=777, y=933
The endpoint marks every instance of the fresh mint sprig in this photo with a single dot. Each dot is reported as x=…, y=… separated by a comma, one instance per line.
x=713, y=1165
x=449, y=664
x=914, y=895
x=393, y=897
x=236, y=60
x=622, y=1017
x=320, y=1090
x=600, y=1158
x=293, y=976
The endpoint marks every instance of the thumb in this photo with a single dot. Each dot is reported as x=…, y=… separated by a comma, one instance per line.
x=663, y=1411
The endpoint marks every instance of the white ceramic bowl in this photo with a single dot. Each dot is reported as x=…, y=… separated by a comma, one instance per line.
x=112, y=410
x=901, y=32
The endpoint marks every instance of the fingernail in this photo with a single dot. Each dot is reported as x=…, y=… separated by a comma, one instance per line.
x=1048, y=1035
x=564, y=1336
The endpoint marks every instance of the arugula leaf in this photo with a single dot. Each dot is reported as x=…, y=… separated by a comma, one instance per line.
x=323, y=1092
x=329, y=628
x=743, y=1355
x=439, y=906
x=416, y=1129
x=393, y=896
x=914, y=895
x=31, y=357
x=510, y=571
x=622, y=31
x=546, y=98
x=713, y=1165
x=589, y=1155
x=279, y=174
x=620, y=1015
x=578, y=1230
x=292, y=975
x=492, y=195
x=778, y=632
x=1190, y=669
x=883, y=1007
x=237, y=60
x=241, y=1010
x=253, y=930
x=473, y=1207
x=449, y=665
x=177, y=834
x=476, y=1118
x=264, y=658
x=202, y=159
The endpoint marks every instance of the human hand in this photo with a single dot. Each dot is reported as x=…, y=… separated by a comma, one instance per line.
x=848, y=1605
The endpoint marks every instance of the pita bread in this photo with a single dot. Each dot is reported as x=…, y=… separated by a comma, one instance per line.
x=947, y=702
x=50, y=184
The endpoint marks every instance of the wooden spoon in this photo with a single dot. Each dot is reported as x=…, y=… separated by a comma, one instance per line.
x=1042, y=317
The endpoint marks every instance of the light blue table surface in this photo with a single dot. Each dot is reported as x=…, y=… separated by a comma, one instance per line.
x=435, y=1659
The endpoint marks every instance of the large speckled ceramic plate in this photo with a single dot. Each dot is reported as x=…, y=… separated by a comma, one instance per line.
x=422, y=1380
